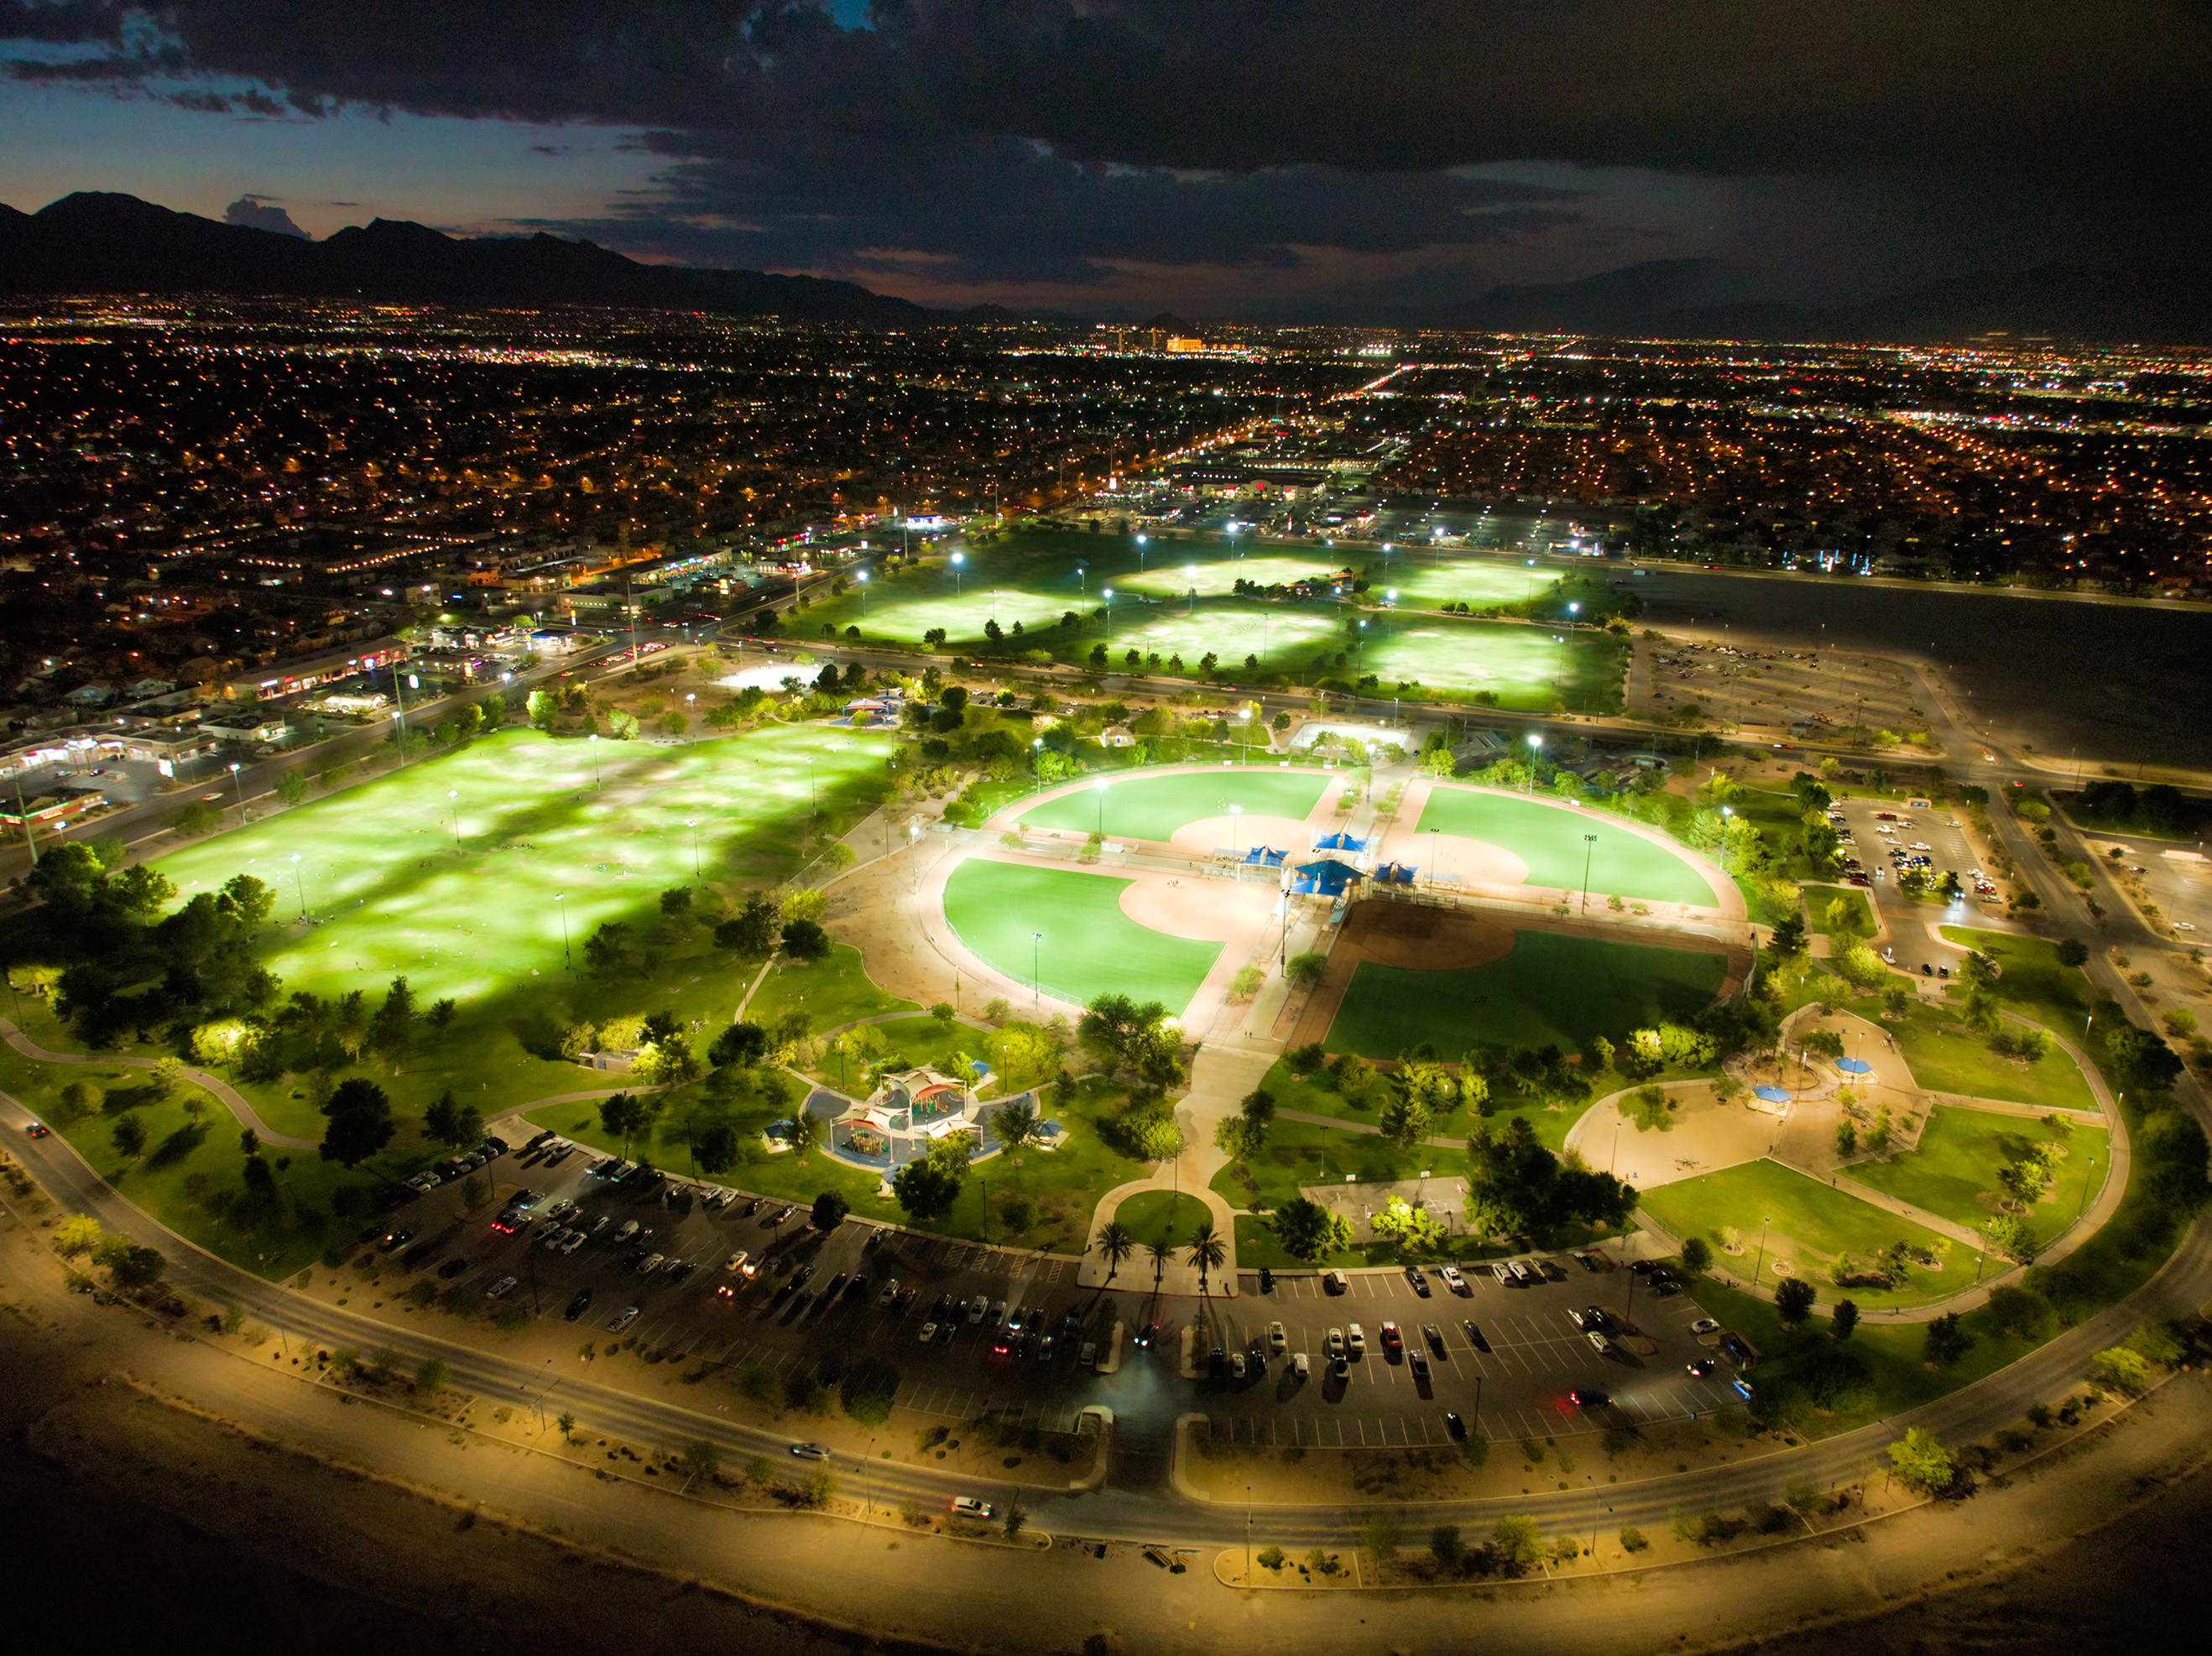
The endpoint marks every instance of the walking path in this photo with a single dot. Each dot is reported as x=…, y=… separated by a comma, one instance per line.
x=224, y=1093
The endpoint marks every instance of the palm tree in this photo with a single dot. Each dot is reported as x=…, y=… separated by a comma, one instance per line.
x=1207, y=1251
x=1163, y=1252
x=1115, y=1242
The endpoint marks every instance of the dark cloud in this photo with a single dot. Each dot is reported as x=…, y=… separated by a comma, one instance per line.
x=1042, y=138
x=259, y=213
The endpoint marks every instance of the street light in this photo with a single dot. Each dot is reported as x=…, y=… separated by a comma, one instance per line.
x=1535, y=752
x=958, y=558
x=1036, y=764
x=1726, y=813
x=1141, y=554
x=1109, y=614
x=561, y=907
x=1589, y=844
x=862, y=578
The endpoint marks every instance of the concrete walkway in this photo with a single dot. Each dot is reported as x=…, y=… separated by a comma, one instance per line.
x=1219, y=1078
x=224, y=1093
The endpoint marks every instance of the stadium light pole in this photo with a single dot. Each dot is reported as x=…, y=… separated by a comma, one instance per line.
x=561, y=906
x=694, y=826
x=813, y=808
x=592, y=742
x=1536, y=751
x=861, y=577
x=239, y=785
x=1036, y=969
x=1036, y=764
x=957, y=560
x=1190, y=602
x=1141, y=554
x=1099, y=788
x=299, y=888
x=456, y=798
x=1589, y=844
x=1108, y=592
x=1725, y=814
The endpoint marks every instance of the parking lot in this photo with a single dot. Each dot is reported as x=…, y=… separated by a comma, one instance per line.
x=1508, y=1375
x=2178, y=878
x=1930, y=833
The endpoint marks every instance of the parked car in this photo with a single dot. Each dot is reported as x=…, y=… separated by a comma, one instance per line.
x=1454, y=1281
x=451, y=1269
x=1301, y=1368
x=1278, y=1339
x=928, y=1333
x=1705, y=1325
x=651, y=1263
x=811, y=1451
x=578, y=1306
x=1455, y=1427
x=502, y=1289
x=1336, y=1281
x=1334, y=1343
x=1355, y=1339
x=1589, y=1396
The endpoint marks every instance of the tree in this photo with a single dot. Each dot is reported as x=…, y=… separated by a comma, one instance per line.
x=714, y=1148
x=1404, y=1120
x=1207, y=1251
x=701, y=1458
x=78, y=1234
x=1922, y=1463
x=247, y=901
x=1518, y=1543
x=1697, y=1256
x=924, y=1190
x=130, y=1136
x=741, y=1044
x=1115, y=1243
x=1247, y=982
x=622, y=1115
x=1447, y=1547
x=1381, y=1535
x=291, y=787
x=754, y=930
x=805, y=1131
x=1788, y=938
x=1945, y=1342
x=1162, y=1254
x=453, y=1124
x=358, y=1122
x=2009, y=1233
x=129, y=1266
x=1305, y=971
x=1844, y=1320
x=1016, y=1516
x=544, y=707
x=805, y=940
x=430, y=1377
x=1793, y=1301
x=1015, y=1123
x=2119, y=1370
x=2072, y=952
x=830, y=1210
x=567, y=1422
x=1309, y=1231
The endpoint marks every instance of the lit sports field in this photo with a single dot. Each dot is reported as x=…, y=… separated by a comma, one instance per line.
x=1520, y=663
x=377, y=865
x=1422, y=581
x=1549, y=840
x=1153, y=807
x=1552, y=989
x=1088, y=946
x=1176, y=567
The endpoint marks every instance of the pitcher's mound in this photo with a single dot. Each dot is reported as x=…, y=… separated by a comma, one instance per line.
x=1424, y=939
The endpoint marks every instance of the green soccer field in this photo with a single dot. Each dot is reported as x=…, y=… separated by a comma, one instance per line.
x=1553, y=988
x=1525, y=666
x=1549, y=840
x=1088, y=948
x=1153, y=807
x=378, y=871
x=1426, y=582
x=1180, y=567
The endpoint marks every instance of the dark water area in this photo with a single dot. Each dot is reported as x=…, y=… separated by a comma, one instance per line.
x=2119, y=684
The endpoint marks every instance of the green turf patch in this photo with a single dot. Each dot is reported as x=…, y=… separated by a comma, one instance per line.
x=830, y=991
x=1551, y=990
x=1523, y=666
x=1858, y=918
x=1550, y=840
x=1953, y=1172
x=1809, y=1224
x=1159, y=1216
x=1299, y=1153
x=1319, y=1095
x=1089, y=947
x=1947, y=1057
x=2032, y=977
x=1153, y=806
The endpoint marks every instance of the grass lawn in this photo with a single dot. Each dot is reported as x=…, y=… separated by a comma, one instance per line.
x=1089, y=948
x=1552, y=989
x=1818, y=899
x=1160, y=1216
x=1298, y=1153
x=1151, y=806
x=1548, y=838
x=1807, y=1222
x=2032, y=978
x=1318, y=1094
x=1953, y=1173
x=1424, y=582
x=1947, y=1057
x=830, y=991
x=1256, y=1247
x=191, y=1178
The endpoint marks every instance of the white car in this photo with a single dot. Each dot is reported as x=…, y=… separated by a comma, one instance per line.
x=576, y=1240
x=967, y=1506
x=1705, y=1325
x=1355, y=1339
x=1452, y=1280
x=1278, y=1340
x=741, y=1263
x=1300, y=1368
x=928, y=1332
x=811, y=1451
x=623, y=1318
x=502, y=1289
x=1335, y=1344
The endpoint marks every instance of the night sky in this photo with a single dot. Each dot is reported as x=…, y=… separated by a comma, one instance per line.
x=1275, y=160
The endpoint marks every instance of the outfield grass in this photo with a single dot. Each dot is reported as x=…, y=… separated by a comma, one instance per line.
x=1551, y=990
x=1549, y=839
x=1807, y=1224
x=1153, y=806
x=1089, y=948
x=1160, y=1216
x=1946, y=1057
x=1953, y=1172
